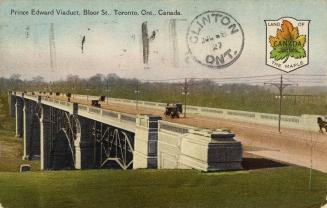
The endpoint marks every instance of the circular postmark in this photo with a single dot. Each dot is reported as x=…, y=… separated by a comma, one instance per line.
x=215, y=39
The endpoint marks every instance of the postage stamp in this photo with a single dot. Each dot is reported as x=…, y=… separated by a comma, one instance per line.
x=215, y=39
x=287, y=43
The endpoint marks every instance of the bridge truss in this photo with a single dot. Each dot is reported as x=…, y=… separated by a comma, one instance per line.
x=113, y=147
x=64, y=127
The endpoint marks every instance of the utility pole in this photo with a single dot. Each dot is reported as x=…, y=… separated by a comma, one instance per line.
x=107, y=90
x=87, y=90
x=281, y=86
x=137, y=92
x=75, y=86
x=185, y=93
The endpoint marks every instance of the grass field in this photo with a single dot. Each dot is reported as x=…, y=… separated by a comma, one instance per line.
x=11, y=148
x=263, y=188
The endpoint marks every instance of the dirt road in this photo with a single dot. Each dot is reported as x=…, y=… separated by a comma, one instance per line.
x=292, y=146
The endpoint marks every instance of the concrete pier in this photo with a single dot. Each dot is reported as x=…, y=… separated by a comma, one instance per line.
x=146, y=142
x=45, y=134
x=19, y=117
x=27, y=128
x=12, y=102
x=31, y=126
x=84, y=145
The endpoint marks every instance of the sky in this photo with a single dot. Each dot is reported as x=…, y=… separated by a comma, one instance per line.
x=113, y=43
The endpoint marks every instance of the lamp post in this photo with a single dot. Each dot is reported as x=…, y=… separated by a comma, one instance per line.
x=185, y=93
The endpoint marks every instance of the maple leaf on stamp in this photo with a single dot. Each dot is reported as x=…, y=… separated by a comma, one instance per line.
x=287, y=43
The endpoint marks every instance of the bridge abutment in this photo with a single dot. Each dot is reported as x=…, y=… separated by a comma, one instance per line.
x=183, y=147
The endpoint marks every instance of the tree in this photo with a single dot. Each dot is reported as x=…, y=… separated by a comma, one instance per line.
x=38, y=79
x=15, y=80
x=15, y=76
x=73, y=81
x=96, y=81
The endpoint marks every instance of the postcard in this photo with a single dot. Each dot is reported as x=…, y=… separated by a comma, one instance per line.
x=168, y=103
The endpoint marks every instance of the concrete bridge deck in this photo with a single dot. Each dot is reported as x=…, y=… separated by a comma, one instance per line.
x=294, y=146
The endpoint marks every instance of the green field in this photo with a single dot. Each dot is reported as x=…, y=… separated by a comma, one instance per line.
x=281, y=187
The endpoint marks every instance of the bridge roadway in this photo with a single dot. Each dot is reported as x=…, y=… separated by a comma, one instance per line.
x=291, y=146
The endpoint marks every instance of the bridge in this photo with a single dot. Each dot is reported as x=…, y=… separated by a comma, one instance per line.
x=75, y=135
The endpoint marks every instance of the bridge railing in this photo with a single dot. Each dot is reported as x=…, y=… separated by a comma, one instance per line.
x=288, y=121
x=174, y=128
x=297, y=122
x=117, y=116
x=94, y=112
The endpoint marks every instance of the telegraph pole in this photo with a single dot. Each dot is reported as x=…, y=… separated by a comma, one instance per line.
x=281, y=86
x=87, y=90
x=137, y=91
x=74, y=88
x=107, y=91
